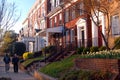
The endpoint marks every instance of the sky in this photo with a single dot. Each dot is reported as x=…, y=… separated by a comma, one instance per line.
x=23, y=6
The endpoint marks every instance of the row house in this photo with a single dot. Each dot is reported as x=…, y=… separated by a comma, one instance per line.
x=68, y=25
x=32, y=33
x=64, y=23
x=25, y=38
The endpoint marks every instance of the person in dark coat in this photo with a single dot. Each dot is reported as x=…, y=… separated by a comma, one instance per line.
x=15, y=61
x=7, y=60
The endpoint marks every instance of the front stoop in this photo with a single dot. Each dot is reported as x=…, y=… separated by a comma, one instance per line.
x=41, y=76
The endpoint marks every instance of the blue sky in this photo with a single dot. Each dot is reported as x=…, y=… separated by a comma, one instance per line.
x=23, y=6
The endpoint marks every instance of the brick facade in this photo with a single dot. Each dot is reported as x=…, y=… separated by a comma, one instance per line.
x=111, y=65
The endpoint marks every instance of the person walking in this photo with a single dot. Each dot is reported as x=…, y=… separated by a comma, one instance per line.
x=15, y=61
x=7, y=60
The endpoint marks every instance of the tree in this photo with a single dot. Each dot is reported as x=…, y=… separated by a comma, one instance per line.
x=8, y=16
x=8, y=38
x=17, y=48
x=93, y=8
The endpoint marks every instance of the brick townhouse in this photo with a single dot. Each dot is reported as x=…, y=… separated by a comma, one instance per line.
x=65, y=24
x=55, y=22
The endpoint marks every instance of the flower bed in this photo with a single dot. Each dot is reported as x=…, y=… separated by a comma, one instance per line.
x=112, y=54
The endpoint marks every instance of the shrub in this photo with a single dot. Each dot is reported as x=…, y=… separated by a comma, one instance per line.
x=48, y=49
x=17, y=48
x=102, y=48
x=30, y=55
x=37, y=54
x=27, y=55
x=94, y=49
x=117, y=41
x=80, y=50
x=86, y=75
x=85, y=50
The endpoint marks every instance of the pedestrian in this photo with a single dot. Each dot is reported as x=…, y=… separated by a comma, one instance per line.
x=7, y=60
x=15, y=61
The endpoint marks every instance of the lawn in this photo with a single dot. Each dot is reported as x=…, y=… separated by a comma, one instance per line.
x=57, y=69
x=28, y=61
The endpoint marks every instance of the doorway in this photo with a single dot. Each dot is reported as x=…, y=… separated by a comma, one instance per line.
x=99, y=36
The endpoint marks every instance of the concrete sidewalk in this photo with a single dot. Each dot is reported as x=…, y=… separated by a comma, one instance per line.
x=14, y=76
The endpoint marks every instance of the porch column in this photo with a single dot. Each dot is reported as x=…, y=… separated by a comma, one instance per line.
x=47, y=37
x=94, y=35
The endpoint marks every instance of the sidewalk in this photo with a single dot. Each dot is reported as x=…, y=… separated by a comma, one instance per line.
x=14, y=76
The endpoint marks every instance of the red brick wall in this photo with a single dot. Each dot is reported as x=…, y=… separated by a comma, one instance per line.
x=111, y=65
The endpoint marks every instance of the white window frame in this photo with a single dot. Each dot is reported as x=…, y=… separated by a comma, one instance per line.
x=67, y=15
x=115, y=25
x=72, y=32
x=81, y=8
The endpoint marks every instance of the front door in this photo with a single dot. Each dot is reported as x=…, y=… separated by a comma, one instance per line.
x=82, y=38
x=99, y=36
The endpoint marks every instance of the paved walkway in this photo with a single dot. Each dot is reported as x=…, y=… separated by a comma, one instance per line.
x=14, y=76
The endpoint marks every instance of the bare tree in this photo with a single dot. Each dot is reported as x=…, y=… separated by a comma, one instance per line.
x=8, y=16
x=93, y=8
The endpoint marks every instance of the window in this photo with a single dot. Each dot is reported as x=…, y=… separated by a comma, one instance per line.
x=115, y=25
x=67, y=36
x=51, y=23
x=55, y=22
x=72, y=32
x=81, y=8
x=67, y=15
x=60, y=19
x=73, y=12
x=57, y=2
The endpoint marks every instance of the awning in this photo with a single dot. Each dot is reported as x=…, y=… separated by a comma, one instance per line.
x=56, y=29
x=42, y=32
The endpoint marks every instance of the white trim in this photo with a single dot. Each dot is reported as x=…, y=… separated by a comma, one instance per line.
x=81, y=23
x=95, y=30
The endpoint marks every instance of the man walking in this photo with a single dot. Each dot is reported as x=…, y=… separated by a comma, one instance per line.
x=15, y=61
x=7, y=60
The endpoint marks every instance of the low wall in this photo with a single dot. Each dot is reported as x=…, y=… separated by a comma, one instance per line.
x=112, y=65
x=41, y=76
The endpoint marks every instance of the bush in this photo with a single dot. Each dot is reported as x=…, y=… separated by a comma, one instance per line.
x=37, y=54
x=102, y=48
x=117, y=41
x=80, y=50
x=94, y=49
x=27, y=55
x=48, y=49
x=17, y=48
x=86, y=75
x=85, y=50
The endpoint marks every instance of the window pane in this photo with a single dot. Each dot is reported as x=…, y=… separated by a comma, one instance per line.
x=115, y=25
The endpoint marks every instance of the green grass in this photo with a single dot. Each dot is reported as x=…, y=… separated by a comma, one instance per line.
x=55, y=69
x=86, y=75
x=25, y=63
